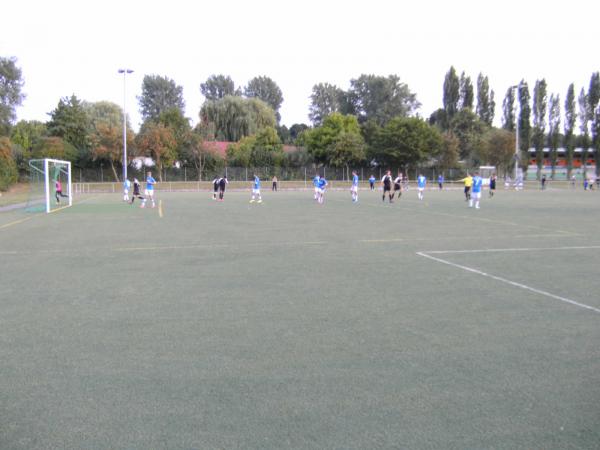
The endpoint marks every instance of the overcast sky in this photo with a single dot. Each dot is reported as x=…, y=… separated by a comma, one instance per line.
x=66, y=47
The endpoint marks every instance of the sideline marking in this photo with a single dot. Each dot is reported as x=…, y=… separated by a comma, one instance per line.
x=524, y=249
x=160, y=210
x=512, y=283
x=9, y=224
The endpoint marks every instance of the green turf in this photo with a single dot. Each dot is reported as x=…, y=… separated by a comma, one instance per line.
x=296, y=325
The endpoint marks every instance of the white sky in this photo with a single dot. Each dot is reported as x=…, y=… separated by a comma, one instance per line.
x=66, y=47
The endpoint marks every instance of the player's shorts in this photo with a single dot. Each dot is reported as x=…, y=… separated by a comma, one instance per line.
x=149, y=192
x=397, y=187
x=255, y=191
x=320, y=190
x=387, y=188
x=354, y=188
x=215, y=187
x=476, y=195
x=316, y=190
x=467, y=189
x=126, y=191
x=421, y=189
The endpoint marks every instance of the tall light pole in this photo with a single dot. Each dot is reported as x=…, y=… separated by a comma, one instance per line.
x=125, y=72
x=517, y=87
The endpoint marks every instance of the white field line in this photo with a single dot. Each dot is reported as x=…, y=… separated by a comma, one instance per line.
x=524, y=249
x=512, y=283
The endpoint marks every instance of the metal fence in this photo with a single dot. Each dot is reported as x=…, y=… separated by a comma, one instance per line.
x=186, y=174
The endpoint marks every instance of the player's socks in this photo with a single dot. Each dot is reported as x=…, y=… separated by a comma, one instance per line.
x=470, y=203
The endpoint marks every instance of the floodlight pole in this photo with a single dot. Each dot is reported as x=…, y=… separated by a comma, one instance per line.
x=125, y=72
x=518, y=89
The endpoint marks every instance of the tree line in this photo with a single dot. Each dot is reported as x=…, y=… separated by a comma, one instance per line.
x=375, y=122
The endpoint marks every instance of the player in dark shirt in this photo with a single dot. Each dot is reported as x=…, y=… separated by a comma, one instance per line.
x=386, y=182
x=222, y=184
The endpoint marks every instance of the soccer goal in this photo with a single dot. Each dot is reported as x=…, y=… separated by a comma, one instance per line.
x=49, y=185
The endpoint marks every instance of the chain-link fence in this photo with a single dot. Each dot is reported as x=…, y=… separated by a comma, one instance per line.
x=104, y=174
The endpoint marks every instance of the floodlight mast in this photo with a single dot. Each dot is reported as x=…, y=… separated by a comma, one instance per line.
x=518, y=89
x=125, y=72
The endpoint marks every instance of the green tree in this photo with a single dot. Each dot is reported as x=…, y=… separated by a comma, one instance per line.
x=466, y=92
x=321, y=142
x=584, y=115
x=158, y=142
x=508, y=110
x=201, y=153
x=569, y=127
x=554, y=129
x=485, y=100
x=594, y=111
x=451, y=96
x=267, y=150
x=500, y=149
x=540, y=101
x=324, y=101
x=235, y=117
x=8, y=167
x=265, y=89
x=381, y=98
x=180, y=126
x=24, y=135
x=469, y=130
x=70, y=122
x=449, y=151
x=217, y=87
x=11, y=85
x=159, y=94
x=524, y=123
x=407, y=141
x=54, y=147
x=106, y=133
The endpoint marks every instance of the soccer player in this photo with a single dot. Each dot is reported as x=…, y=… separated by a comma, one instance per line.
x=372, y=182
x=216, y=187
x=354, y=187
x=274, y=187
x=58, y=189
x=222, y=185
x=421, y=183
x=543, y=182
x=492, y=185
x=149, y=192
x=256, y=190
x=126, y=186
x=136, y=192
x=468, y=183
x=398, y=186
x=386, y=183
x=441, y=181
x=316, y=185
x=322, y=185
x=477, y=183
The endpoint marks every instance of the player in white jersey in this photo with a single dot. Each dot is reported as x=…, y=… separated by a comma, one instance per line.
x=256, y=190
x=354, y=187
x=316, y=185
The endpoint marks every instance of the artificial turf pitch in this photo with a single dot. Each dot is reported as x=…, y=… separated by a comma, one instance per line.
x=296, y=325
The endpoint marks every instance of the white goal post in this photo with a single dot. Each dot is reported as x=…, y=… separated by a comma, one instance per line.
x=46, y=176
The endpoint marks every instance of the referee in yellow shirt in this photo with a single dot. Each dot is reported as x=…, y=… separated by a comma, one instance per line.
x=468, y=183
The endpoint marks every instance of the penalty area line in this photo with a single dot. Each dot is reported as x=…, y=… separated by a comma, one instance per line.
x=512, y=283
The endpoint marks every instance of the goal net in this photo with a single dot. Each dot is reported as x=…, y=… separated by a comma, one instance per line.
x=49, y=185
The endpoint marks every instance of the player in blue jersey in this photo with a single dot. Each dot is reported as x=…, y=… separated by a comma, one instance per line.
x=476, y=190
x=256, y=190
x=421, y=183
x=322, y=185
x=126, y=186
x=316, y=185
x=441, y=181
x=372, y=182
x=150, y=182
x=354, y=187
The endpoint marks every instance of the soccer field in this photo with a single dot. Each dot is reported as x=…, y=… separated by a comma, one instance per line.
x=208, y=325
